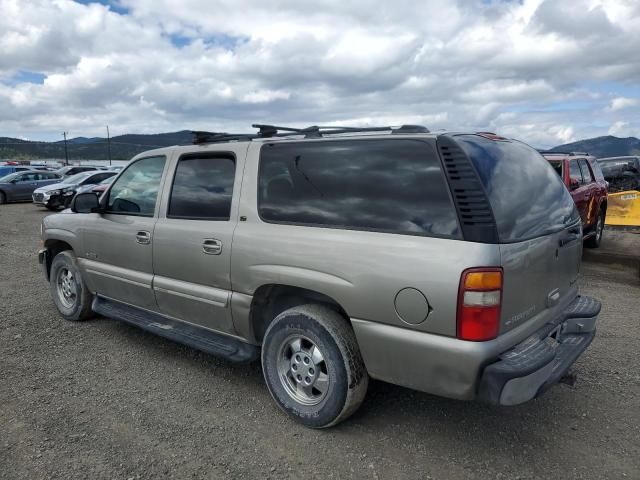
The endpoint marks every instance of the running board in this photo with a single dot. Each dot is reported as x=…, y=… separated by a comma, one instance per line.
x=217, y=344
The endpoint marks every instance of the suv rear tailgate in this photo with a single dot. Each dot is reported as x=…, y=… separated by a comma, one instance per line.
x=540, y=276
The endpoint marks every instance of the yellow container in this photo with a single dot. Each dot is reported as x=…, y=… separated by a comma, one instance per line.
x=623, y=209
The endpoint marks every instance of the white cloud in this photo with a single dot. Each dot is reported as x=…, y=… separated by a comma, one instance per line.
x=539, y=70
x=624, y=129
x=619, y=103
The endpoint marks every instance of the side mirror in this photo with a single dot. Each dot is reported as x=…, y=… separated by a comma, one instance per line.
x=85, y=203
x=573, y=184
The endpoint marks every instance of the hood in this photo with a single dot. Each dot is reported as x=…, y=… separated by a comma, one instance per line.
x=56, y=186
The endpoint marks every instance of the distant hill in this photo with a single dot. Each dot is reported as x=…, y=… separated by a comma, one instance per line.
x=607, y=146
x=123, y=147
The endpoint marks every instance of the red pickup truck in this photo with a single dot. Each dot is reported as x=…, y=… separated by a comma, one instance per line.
x=581, y=174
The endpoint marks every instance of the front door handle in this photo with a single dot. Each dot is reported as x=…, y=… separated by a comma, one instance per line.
x=211, y=246
x=143, y=238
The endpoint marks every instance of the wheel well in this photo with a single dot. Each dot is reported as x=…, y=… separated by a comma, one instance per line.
x=54, y=247
x=603, y=207
x=271, y=300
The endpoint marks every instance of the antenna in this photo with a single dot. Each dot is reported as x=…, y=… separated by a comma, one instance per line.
x=66, y=153
x=108, y=145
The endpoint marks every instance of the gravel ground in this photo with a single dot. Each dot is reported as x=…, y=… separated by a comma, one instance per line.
x=101, y=399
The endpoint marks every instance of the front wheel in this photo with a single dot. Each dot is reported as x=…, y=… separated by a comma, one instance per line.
x=313, y=367
x=69, y=292
x=3, y=198
x=595, y=240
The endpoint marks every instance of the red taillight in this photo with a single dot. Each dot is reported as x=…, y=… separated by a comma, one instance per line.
x=479, y=302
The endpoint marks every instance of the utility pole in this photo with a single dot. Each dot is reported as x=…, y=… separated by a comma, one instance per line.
x=66, y=153
x=108, y=145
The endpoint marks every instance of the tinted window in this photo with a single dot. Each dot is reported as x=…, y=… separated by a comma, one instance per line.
x=202, y=188
x=526, y=194
x=586, y=171
x=383, y=185
x=575, y=173
x=97, y=178
x=29, y=177
x=136, y=190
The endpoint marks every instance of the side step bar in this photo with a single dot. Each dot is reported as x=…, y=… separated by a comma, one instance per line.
x=217, y=344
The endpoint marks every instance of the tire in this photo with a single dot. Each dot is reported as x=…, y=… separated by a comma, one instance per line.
x=69, y=293
x=3, y=198
x=596, y=240
x=321, y=346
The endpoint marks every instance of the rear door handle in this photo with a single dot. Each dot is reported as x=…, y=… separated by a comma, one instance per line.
x=211, y=246
x=143, y=238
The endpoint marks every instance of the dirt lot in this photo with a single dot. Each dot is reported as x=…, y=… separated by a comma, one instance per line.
x=104, y=400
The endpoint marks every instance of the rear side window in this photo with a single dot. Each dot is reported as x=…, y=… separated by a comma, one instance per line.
x=526, y=194
x=203, y=188
x=586, y=171
x=382, y=185
x=575, y=172
x=557, y=166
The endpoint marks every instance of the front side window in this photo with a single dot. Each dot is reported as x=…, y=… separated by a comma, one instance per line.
x=392, y=186
x=203, y=188
x=135, y=192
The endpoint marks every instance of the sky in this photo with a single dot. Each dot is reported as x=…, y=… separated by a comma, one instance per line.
x=544, y=71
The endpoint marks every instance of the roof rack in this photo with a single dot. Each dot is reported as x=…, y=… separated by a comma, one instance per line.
x=314, y=131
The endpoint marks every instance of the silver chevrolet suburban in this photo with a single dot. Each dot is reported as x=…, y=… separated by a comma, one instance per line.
x=443, y=262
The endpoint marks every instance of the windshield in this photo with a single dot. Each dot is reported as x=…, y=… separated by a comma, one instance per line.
x=77, y=178
x=8, y=178
x=107, y=181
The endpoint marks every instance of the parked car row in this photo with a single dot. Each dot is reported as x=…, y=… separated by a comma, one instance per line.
x=59, y=195
x=51, y=189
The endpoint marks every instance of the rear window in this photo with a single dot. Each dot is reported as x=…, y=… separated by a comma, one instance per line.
x=526, y=194
x=382, y=185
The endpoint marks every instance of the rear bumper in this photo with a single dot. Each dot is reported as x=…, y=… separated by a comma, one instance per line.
x=531, y=367
x=454, y=368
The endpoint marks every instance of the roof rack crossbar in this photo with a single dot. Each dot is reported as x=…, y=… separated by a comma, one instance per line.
x=562, y=152
x=213, y=137
x=314, y=131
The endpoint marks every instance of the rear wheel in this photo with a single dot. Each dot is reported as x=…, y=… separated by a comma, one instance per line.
x=69, y=292
x=595, y=240
x=313, y=367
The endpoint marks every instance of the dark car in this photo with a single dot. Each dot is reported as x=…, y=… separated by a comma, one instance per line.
x=583, y=177
x=73, y=170
x=622, y=173
x=19, y=186
x=59, y=195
